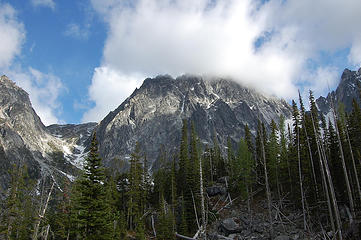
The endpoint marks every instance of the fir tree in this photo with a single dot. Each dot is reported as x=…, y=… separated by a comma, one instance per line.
x=90, y=205
x=165, y=222
x=135, y=193
x=19, y=214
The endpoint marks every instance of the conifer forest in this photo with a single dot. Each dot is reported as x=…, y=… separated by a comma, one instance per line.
x=308, y=168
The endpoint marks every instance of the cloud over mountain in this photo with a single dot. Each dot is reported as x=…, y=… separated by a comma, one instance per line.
x=264, y=45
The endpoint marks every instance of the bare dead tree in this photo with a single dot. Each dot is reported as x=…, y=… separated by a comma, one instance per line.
x=324, y=181
x=42, y=211
x=308, y=145
x=347, y=181
x=332, y=191
x=300, y=179
x=268, y=191
x=353, y=163
x=204, y=224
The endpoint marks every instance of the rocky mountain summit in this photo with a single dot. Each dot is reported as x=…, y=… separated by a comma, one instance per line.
x=347, y=90
x=153, y=115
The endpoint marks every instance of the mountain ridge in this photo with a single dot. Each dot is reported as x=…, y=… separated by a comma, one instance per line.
x=152, y=115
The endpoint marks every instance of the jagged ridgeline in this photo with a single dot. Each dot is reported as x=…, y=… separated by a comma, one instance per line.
x=187, y=157
x=153, y=115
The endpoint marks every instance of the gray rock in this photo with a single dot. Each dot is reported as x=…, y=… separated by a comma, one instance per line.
x=153, y=115
x=229, y=226
x=282, y=237
x=26, y=141
x=216, y=190
x=346, y=91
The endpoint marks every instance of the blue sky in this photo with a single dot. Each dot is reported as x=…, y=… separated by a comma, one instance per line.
x=50, y=46
x=80, y=59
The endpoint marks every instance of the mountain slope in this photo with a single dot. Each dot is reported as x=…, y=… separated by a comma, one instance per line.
x=153, y=115
x=25, y=140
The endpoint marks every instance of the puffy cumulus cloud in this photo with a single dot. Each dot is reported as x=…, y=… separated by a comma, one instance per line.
x=43, y=3
x=108, y=88
x=12, y=35
x=265, y=45
x=44, y=90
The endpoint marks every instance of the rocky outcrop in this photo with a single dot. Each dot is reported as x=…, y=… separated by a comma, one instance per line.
x=347, y=90
x=24, y=140
x=153, y=115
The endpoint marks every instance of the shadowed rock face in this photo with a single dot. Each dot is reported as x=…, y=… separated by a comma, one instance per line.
x=346, y=91
x=153, y=115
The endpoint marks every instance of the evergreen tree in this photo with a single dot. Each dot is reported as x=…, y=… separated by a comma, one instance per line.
x=135, y=193
x=19, y=215
x=273, y=158
x=230, y=156
x=183, y=160
x=284, y=164
x=243, y=169
x=165, y=222
x=90, y=205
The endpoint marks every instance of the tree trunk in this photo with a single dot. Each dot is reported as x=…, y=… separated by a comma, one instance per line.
x=311, y=159
x=349, y=192
x=204, y=224
x=324, y=182
x=333, y=195
x=300, y=178
x=353, y=163
x=268, y=191
x=42, y=214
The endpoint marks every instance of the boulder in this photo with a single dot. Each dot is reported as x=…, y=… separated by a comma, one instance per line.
x=216, y=190
x=229, y=226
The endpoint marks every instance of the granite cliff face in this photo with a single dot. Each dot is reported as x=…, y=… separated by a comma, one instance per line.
x=153, y=115
x=25, y=140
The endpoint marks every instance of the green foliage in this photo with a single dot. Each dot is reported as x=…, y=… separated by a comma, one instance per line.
x=165, y=230
x=242, y=167
x=135, y=194
x=19, y=214
x=91, y=208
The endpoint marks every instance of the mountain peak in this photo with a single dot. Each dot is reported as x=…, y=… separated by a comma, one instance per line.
x=347, y=74
x=153, y=114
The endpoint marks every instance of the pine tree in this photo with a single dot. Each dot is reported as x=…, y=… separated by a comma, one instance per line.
x=165, y=222
x=273, y=158
x=90, y=205
x=19, y=214
x=183, y=160
x=243, y=166
x=284, y=165
x=230, y=155
x=135, y=193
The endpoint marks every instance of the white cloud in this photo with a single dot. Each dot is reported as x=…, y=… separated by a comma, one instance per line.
x=107, y=90
x=76, y=31
x=43, y=89
x=320, y=81
x=43, y=3
x=12, y=35
x=217, y=37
